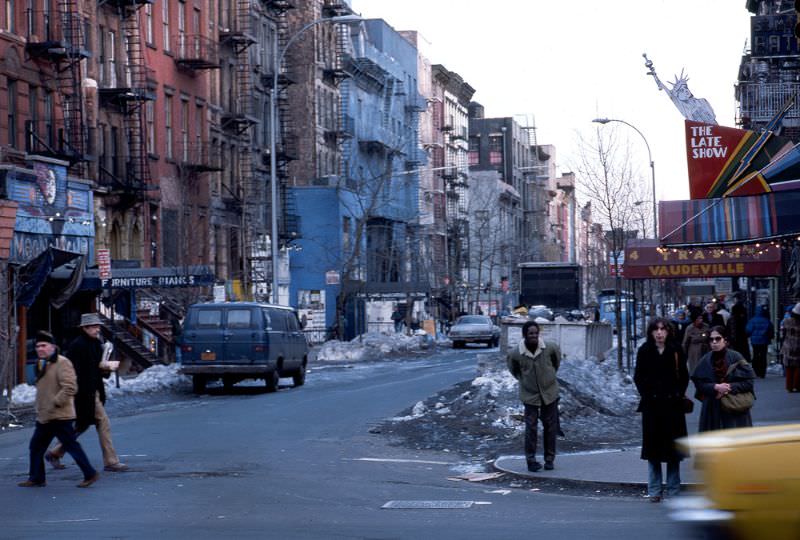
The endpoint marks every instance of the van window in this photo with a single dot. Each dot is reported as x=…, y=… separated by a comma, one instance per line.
x=267, y=319
x=294, y=325
x=239, y=318
x=278, y=320
x=209, y=318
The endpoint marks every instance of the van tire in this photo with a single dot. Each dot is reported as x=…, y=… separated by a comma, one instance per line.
x=299, y=377
x=272, y=379
x=198, y=384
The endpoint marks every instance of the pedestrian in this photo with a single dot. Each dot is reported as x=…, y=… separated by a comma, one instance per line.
x=721, y=371
x=86, y=354
x=737, y=330
x=397, y=317
x=695, y=342
x=761, y=332
x=55, y=412
x=661, y=379
x=711, y=317
x=534, y=364
x=680, y=322
x=791, y=349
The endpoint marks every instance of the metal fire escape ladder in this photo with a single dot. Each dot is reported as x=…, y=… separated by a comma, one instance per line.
x=138, y=166
x=69, y=79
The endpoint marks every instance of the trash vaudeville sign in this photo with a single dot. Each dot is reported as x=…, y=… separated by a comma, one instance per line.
x=646, y=260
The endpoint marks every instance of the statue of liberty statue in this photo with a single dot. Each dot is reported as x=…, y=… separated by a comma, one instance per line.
x=692, y=108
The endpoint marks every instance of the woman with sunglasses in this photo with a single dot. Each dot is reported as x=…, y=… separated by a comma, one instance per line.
x=661, y=379
x=713, y=379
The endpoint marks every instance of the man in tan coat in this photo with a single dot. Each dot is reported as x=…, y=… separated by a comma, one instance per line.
x=55, y=413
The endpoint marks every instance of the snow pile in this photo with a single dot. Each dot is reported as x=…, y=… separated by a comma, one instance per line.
x=417, y=411
x=154, y=379
x=371, y=346
x=496, y=383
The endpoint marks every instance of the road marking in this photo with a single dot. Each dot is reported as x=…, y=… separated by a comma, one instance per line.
x=391, y=460
x=71, y=520
x=428, y=505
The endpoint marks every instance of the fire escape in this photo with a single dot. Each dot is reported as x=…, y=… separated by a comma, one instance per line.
x=287, y=142
x=194, y=53
x=127, y=95
x=237, y=121
x=58, y=38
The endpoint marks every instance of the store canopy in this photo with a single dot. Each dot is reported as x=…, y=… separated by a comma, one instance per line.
x=33, y=274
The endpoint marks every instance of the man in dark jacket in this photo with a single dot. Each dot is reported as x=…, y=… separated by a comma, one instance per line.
x=55, y=412
x=86, y=354
x=534, y=364
x=761, y=331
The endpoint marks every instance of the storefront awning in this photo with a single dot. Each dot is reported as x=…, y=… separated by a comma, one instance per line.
x=730, y=220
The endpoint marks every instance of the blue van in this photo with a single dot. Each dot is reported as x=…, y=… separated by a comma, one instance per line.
x=234, y=341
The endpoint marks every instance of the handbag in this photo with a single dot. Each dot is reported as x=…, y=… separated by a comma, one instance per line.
x=688, y=405
x=737, y=403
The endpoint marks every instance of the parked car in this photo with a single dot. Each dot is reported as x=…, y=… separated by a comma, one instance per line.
x=752, y=484
x=474, y=329
x=234, y=341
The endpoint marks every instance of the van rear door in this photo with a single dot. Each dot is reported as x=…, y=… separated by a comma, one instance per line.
x=204, y=335
x=244, y=343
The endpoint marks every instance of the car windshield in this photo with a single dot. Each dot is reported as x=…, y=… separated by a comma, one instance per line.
x=473, y=319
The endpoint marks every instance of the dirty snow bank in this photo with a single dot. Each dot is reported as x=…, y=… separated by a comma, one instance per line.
x=371, y=346
x=153, y=379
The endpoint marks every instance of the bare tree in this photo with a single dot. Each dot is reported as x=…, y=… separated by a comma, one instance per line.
x=607, y=178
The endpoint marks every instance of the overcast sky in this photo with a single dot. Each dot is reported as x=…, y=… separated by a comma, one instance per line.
x=567, y=62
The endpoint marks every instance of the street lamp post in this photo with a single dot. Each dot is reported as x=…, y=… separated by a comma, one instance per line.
x=652, y=165
x=273, y=129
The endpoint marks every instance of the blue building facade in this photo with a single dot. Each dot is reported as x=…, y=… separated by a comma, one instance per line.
x=373, y=208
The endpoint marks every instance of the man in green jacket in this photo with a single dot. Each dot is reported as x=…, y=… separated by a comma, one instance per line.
x=534, y=364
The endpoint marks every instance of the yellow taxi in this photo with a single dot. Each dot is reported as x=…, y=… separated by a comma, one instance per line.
x=751, y=479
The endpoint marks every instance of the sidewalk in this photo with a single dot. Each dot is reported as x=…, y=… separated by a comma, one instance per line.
x=623, y=467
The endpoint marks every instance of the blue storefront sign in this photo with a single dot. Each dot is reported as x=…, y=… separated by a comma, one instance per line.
x=54, y=211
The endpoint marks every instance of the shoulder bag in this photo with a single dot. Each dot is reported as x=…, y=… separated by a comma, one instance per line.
x=736, y=403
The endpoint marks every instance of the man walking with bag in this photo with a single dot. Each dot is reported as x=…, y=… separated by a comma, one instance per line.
x=55, y=412
x=534, y=364
x=86, y=354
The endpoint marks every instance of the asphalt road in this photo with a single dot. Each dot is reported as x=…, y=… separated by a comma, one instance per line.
x=299, y=463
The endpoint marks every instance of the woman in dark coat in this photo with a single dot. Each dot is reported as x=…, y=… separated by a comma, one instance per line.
x=661, y=379
x=712, y=381
x=737, y=330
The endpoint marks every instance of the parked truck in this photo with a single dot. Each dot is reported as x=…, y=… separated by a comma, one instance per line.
x=553, y=284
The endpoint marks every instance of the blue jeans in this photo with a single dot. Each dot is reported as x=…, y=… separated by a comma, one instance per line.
x=43, y=434
x=654, y=478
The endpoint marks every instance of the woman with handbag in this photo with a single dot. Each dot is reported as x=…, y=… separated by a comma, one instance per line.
x=661, y=379
x=724, y=383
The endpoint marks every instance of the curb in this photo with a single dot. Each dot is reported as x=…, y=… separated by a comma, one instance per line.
x=509, y=465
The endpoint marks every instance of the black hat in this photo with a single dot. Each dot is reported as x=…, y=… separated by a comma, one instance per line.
x=47, y=337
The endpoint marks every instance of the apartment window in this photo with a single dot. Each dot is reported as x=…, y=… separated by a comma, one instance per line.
x=33, y=113
x=49, y=128
x=165, y=23
x=182, y=27
x=11, y=25
x=196, y=31
x=185, y=128
x=496, y=150
x=149, y=111
x=101, y=57
x=116, y=159
x=346, y=234
x=198, y=125
x=148, y=23
x=168, y=125
x=12, y=113
x=473, y=156
x=112, y=58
